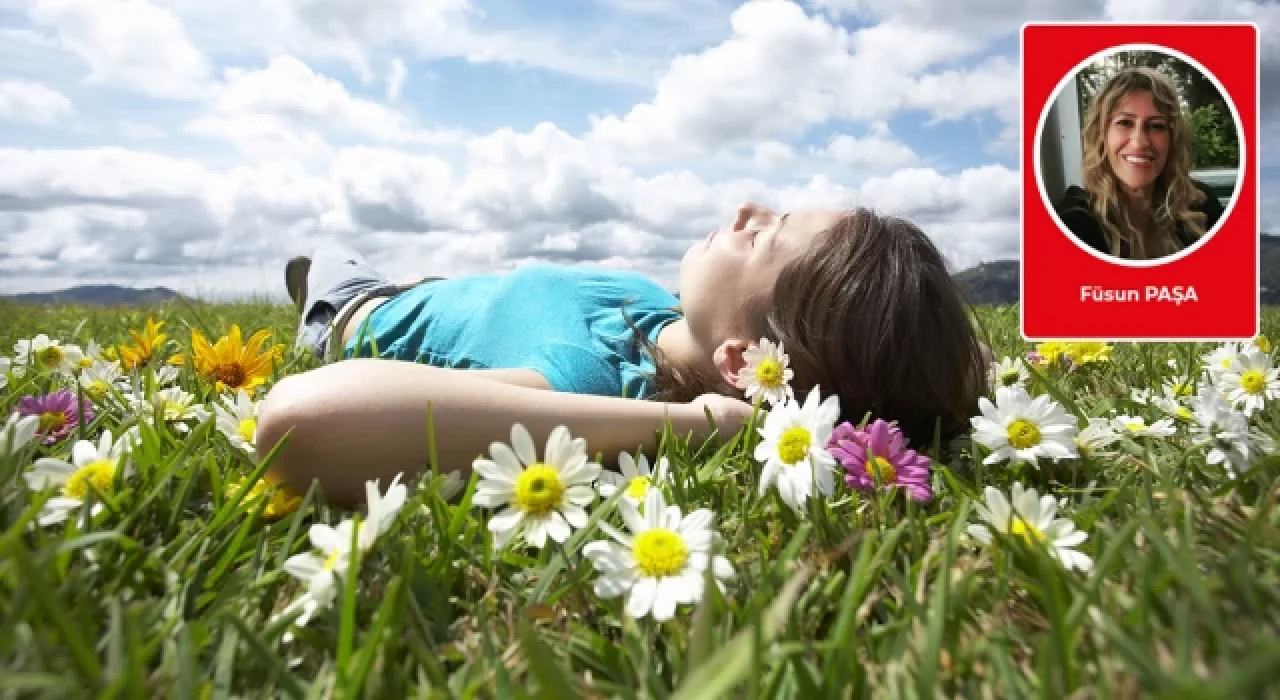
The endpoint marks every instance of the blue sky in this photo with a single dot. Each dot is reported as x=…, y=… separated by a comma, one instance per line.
x=198, y=144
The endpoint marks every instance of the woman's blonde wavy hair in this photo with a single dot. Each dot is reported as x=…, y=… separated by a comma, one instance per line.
x=1175, y=195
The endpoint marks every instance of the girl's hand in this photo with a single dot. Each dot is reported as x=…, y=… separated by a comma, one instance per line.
x=729, y=414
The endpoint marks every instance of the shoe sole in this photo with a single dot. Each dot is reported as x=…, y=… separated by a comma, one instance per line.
x=295, y=280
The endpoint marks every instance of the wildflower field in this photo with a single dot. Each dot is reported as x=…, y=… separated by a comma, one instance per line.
x=1108, y=529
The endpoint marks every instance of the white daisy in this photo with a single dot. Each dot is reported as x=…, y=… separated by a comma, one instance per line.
x=47, y=355
x=1021, y=429
x=100, y=378
x=1008, y=372
x=1226, y=434
x=635, y=477
x=542, y=498
x=766, y=373
x=661, y=563
x=1250, y=381
x=1096, y=437
x=1031, y=517
x=90, y=464
x=237, y=419
x=92, y=354
x=320, y=572
x=174, y=405
x=1220, y=359
x=382, y=510
x=1136, y=426
x=794, y=448
x=166, y=375
x=5, y=366
x=17, y=432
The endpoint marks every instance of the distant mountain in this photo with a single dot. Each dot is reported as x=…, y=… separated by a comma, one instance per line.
x=991, y=283
x=998, y=282
x=98, y=295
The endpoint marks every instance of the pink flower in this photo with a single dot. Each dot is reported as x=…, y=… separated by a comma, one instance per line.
x=893, y=464
x=57, y=411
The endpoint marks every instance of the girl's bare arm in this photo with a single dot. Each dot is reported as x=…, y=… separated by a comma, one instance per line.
x=364, y=419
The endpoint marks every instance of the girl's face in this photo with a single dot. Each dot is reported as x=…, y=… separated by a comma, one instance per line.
x=740, y=261
x=1137, y=142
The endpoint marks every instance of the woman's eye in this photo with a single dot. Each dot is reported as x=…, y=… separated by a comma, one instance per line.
x=1158, y=127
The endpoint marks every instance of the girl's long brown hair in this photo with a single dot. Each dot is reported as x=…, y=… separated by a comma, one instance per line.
x=872, y=314
x=1175, y=195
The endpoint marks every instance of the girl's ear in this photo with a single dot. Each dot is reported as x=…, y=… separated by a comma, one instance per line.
x=729, y=359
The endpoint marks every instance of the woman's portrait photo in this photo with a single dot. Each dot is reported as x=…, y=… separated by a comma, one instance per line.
x=1139, y=155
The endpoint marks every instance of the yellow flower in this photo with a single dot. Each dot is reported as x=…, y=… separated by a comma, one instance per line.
x=1049, y=352
x=144, y=345
x=280, y=504
x=1081, y=353
x=231, y=363
x=1086, y=352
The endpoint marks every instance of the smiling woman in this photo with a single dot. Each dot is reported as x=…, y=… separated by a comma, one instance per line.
x=1139, y=201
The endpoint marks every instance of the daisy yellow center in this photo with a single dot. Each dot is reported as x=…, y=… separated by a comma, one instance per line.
x=247, y=428
x=1226, y=362
x=173, y=410
x=1182, y=389
x=1009, y=378
x=882, y=470
x=539, y=489
x=638, y=487
x=660, y=552
x=50, y=356
x=1023, y=434
x=86, y=362
x=769, y=373
x=100, y=473
x=231, y=374
x=1253, y=381
x=1183, y=412
x=793, y=446
x=1135, y=426
x=51, y=421
x=1028, y=532
x=331, y=561
x=96, y=389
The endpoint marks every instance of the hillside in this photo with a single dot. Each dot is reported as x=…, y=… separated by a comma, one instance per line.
x=98, y=295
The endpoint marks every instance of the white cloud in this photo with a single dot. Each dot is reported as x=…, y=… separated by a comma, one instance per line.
x=140, y=131
x=22, y=101
x=395, y=79
x=288, y=109
x=984, y=17
x=874, y=152
x=131, y=44
x=780, y=74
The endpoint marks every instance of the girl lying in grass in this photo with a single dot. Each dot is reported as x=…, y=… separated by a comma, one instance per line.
x=863, y=305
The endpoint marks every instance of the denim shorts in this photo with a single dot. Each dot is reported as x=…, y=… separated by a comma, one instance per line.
x=337, y=276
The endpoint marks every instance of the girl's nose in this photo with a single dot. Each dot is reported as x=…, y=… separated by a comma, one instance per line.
x=751, y=211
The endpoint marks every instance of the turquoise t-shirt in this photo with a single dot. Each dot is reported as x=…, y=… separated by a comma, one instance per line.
x=563, y=322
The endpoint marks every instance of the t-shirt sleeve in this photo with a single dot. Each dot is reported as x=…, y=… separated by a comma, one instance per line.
x=575, y=370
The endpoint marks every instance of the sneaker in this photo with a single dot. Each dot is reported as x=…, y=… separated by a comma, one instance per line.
x=295, y=280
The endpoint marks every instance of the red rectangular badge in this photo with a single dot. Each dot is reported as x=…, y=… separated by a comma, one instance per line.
x=1140, y=222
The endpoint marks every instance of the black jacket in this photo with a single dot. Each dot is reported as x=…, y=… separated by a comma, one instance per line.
x=1076, y=214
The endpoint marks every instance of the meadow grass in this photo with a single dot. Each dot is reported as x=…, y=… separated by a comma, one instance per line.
x=172, y=589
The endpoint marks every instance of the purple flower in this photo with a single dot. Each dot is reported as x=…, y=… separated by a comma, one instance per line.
x=58, y=413
x=893, y=464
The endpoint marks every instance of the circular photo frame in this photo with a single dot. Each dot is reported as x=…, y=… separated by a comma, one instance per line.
x=1139, y=145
